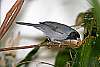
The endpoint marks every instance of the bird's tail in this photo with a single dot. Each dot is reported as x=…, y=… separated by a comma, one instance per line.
x=28, y=24
x=38, y=26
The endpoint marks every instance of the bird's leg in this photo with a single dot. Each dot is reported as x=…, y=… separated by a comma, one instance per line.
x=48, y=39
x=70, y=41
x=44, y=42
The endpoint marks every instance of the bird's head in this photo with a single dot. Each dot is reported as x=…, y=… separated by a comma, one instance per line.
x=74, y=36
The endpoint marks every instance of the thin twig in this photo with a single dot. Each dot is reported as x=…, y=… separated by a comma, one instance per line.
x=71, y=54
x=16, y=48
x=42, y=62
x=10, y=17
x=47, y=63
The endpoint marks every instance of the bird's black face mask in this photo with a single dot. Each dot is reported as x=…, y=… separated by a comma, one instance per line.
x=73, y=35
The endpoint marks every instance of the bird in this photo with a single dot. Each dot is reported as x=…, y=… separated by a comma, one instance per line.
x=55, y=31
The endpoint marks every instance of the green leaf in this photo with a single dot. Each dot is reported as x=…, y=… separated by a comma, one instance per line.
x=85, y=54
x=28, y=57
x=96, y=6
x=64, y=57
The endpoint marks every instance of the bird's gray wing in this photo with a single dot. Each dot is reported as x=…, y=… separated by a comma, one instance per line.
x=61, y=28
x=53, y=35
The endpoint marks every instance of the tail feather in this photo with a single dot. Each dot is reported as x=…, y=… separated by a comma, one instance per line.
x=28, y=24
x=38, y=26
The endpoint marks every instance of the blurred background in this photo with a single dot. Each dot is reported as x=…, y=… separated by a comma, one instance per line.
x=35, y=11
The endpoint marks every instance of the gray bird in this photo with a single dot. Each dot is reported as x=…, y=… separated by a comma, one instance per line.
x=55, y=31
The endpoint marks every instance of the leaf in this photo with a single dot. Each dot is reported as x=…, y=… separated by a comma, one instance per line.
x=85, y=54
x=96, y=6
x=63, y=57
x=28, y=57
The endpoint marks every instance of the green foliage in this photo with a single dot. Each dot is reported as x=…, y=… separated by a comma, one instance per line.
x=85, y=55
x=63, y=57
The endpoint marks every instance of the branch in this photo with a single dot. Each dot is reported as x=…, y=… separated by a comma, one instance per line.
x=48, y=44
x=10, y=17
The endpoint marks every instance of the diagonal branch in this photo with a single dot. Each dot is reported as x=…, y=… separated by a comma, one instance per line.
x=10, y=17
